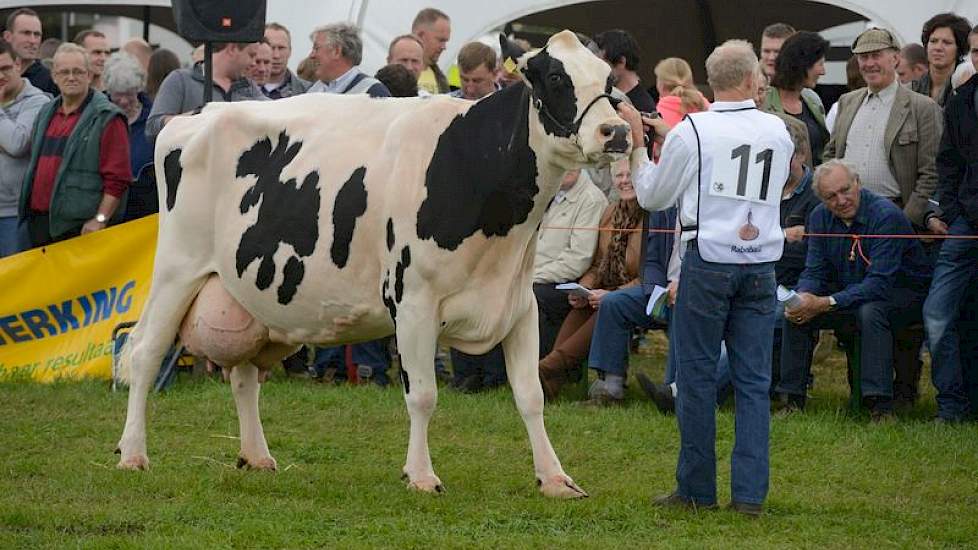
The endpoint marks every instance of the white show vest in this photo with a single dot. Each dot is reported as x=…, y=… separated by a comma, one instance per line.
x=744, y=155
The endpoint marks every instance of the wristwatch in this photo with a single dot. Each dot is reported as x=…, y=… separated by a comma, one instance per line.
x=832, y=303
x=101, y=218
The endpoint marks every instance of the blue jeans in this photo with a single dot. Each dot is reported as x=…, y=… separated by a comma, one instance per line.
x=956, y=269
x=716, y=303
x=372, y=354
x=621, y=311
x=13, y=236
x=489, y=368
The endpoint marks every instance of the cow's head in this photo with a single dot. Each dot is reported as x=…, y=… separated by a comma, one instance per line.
x=571, y=90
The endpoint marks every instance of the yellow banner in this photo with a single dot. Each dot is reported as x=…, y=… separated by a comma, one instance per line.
x=60, y=303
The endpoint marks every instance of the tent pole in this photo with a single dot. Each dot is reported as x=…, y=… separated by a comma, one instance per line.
x=146, y=18
x=363, y=14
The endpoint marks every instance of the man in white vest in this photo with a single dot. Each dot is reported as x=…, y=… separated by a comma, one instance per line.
x=725, y=168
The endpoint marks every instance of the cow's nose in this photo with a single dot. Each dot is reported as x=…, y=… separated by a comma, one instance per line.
x=616, y=136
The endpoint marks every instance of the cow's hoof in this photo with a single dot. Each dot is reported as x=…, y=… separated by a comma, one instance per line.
x=426, y=484
x=266, y=464
x=561, y=486
x=135, y=462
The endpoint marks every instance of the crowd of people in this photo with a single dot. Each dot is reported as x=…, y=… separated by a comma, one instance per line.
x=891, y=167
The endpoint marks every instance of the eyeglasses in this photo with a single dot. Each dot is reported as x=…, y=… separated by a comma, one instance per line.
x=71, y=72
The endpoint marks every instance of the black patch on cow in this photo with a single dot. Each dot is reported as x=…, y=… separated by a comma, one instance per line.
x=289, y=214
x=350, y=204
x=399, y=274
x=291, y=277
x=482, y=175
x=386, y=297
x=554, y=91
x=390, y=234
x=173, y=172
x=405, y=381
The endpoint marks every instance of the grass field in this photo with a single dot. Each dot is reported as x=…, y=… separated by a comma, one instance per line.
x=836, y=481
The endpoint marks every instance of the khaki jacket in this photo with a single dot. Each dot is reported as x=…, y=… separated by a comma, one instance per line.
x=912, y=135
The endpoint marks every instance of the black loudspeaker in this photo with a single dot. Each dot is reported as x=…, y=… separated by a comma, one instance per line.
x=220, y=20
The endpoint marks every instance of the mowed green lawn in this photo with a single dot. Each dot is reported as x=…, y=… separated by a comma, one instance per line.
x=836, y=481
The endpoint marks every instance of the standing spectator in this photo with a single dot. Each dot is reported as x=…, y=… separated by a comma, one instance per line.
x=23, y=33
x=161, y=64
x=282, y=82
x=79, y=137
x=913, y=63
x=799, y=65
x=477, y=71
x=615, y=265
x=97, y=46
x=887, y=132
x=183, y=89
x=854, y=81
x=946, y=38
x=399, y=81
x=732, y=237
x=45, y=53
x=260, y=64
x=124, y=82
x=406, y=50
x=772, y=38
x=338, y=50
x=434, y=29
x=140, y=50
x=957, y=264
x=21, y=102
x=874, y=286
x=564, y=254
x=678, y=94
x=620, y=50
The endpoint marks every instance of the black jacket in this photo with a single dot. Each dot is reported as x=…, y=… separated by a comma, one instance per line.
x=957, y=158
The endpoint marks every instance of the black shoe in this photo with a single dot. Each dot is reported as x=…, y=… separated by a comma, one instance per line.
x=470, y=384
x=787, y=404
x=747, y=508
x=948, y=420
x=660, y=394
x=675, y=500
x=880, y=409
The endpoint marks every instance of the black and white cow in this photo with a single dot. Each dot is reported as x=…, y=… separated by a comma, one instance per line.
x=335, y=219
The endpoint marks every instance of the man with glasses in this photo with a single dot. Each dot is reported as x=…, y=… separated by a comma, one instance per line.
x=24, y=35
x=79, y=167
x=20, y=103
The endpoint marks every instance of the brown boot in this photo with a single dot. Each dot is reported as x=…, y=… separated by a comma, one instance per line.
x=554, y=373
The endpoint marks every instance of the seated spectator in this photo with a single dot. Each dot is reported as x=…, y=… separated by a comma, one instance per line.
x=798, y=67
x=124, y=82
x=945, y=36
x=913, y=63
x=399, y=81
x=21, y=102
x=161, y=64
x=957, y=264
x=182, y=91
x=615, y=265
x=565, y=245
x=620, y=50
x=97, y=45
x=84, y=123
x=477, y=71
x=870, y=286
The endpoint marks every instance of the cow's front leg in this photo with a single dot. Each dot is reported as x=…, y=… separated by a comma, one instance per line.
x=521, y=348
x=416, y=341
x=254, y=450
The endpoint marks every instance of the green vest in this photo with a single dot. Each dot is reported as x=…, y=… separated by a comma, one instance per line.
x=77, y=189
x=773, y=103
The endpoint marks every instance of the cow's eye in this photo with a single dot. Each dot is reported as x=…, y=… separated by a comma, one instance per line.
x=554, y=79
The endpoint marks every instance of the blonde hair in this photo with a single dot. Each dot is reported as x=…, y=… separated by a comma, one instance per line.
x=677, y=76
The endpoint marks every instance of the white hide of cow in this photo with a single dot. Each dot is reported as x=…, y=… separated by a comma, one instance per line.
x=332, y=219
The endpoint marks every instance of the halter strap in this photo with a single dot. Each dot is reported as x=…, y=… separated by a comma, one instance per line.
x=576, y=125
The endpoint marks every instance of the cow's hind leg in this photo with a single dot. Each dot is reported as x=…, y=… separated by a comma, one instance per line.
x=148, y=343
x=416, y=341
x=521, y=348
x=254, y=450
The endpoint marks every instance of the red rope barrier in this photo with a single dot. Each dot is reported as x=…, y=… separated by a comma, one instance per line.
x=817, y=235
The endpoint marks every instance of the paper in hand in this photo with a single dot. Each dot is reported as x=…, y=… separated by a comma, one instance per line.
x=575, y=289
x=657, y=302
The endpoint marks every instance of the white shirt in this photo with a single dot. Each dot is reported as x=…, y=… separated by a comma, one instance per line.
x=338, y=84
x=565, y=254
